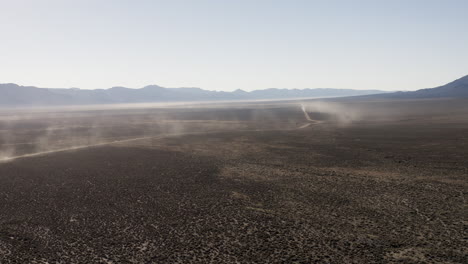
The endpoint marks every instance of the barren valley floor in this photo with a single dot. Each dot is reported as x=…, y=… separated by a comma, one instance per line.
x=374, y=182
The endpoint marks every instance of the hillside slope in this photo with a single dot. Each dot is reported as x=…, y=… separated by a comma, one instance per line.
x=455, y=89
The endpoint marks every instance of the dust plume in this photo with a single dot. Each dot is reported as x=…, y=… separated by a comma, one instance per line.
x=32, y=133
x=331, y=111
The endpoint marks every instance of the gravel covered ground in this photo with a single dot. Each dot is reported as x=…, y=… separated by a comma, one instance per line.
x=352, y=189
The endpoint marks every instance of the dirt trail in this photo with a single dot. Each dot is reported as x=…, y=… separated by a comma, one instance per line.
x=306, y=114
x=304, y=126
x=7, y=159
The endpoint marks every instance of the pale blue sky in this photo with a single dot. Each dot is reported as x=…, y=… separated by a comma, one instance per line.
x=230, y=44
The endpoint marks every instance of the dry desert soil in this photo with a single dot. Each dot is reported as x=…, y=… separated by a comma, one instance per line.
x=363, y=182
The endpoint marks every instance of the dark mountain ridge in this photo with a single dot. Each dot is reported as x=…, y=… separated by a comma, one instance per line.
x=16, y=95
x=455, y=89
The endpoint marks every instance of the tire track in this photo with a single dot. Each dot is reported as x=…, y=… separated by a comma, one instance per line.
x=12, y=158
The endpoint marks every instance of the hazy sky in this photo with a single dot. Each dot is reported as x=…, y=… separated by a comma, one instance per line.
x=230, y=44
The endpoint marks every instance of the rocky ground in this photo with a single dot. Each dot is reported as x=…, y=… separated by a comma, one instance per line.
x=346, y=190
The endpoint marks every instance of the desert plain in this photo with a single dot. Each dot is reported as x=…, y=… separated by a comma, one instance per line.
x=306, y=181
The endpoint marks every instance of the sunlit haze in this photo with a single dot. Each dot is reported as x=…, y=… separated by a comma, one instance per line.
x=228, y=45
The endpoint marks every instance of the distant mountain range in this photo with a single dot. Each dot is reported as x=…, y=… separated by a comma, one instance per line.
x=15, y=95
x=455, y=89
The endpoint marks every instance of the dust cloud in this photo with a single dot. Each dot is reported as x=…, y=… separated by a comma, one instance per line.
x=27, y=132
x=332, y=111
